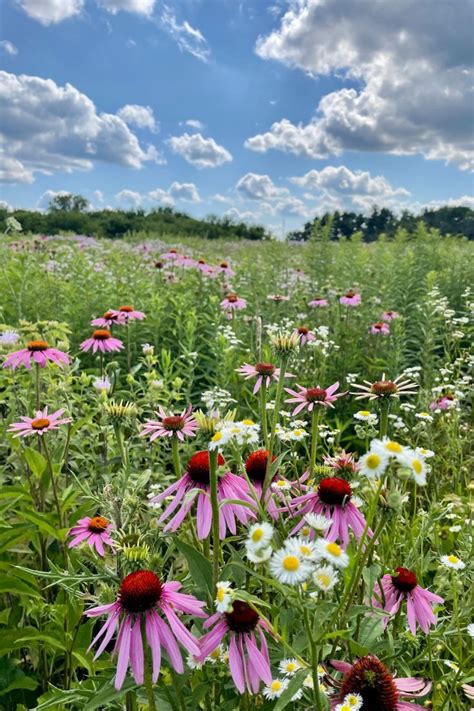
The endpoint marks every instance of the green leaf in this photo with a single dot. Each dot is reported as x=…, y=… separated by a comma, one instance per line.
x=16, y=586
x=199, y=566
x=42, y=522
x=35, y=460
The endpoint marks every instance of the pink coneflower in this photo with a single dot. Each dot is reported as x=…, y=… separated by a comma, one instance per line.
x=94, y=531
x=205, y=268
x=332, y=499
x=264, y=372
x=350, y=298
x=380, y=328
x=143, y=598
x=343, y=464
x=38, y=352
x=224, y=268
x=278, y=297
x=180, y=426
x=103, y=341
x=443, y=403
x=232, y=302
x=41, y=423
x=256, y=467
x=404, y=586
x=383, y=389
x=309, y=397
x=170, y=255
x=389, y=315
x=110, y=318
x=128, y=313
x=380, y=691
x=248, y=664
x=304, y=335
x=318, y=303
x=195, y=484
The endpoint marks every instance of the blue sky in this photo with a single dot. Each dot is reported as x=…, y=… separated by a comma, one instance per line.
x=295, y=107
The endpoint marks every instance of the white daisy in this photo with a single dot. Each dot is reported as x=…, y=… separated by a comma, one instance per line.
x=289, y=666
x=258, y=555
x=301, y=547
x=452, y=561
x=424, y=416
x=318, y=522
x=219, y=439
x=297, y=435
x=259, y=535
x=332, y=553
x=275, y=689
x=388, y=446
x=289, y=568
x=373, y=464
x=223, y=596
x=366, y=416
x=325, y=577
x=426, y=453
x=354, y=701
x=281, y=485
x=417, y=465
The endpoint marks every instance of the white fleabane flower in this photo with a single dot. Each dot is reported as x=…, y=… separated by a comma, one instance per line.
x=373, y=464
x=259, y=535
x=275, y=689
x=332, y=553
x=301, y=547
x=318, y=522
x=288, y=667
x=417, y=466
x=281, y=485
x=426, y=453
x=219, y=439
x=366, y=416
x=297, y=435
x=452, y=561
x=354, y=701
x=388, y=447
x=258, y=555
x=223, y=596
x=289, y=568
x=325, y=577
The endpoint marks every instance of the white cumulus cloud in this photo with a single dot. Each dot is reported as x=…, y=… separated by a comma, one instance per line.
x=184, y=191
x=140, y=116
x=413, y=64
x=50, y=12
x=140, y=7
x=342, y=180
x=199, y=151
x=259, y=187
x=49, y=128
x=8, y=47
x=129, y=198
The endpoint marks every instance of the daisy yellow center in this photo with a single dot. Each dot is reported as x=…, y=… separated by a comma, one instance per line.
x=281, y=483
x=297, y=433
x=305, y=550
x=248, y=422
x=394, y=447
x=364, y=413
x=257, y=535
x=290, y=563
x=40, y=423
x=276, y=685
x=417, y=466
x=424, y=414
x=334, y=549
x=217, y=437
x=215, y=654
x=221, y=593
x=352, y=700
x=373, y=461
x=291, y=667
x=324, y=579
x=346, y=707
x=305, y=531
x=453, y=559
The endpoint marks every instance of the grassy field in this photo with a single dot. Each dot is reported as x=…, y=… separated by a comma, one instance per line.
x=378, y=489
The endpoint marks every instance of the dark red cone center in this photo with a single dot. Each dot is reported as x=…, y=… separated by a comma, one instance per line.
x=37, y=345
x=265, y=368
x=334, y=490
x=405, y=581
x=372, y=680
x=101, y=334
x=140, y=591
x=198, y=466
x=256, y=464
x=173, y=423
x=302, y=330
x=243, y=618
x=316, y=395
x=384, y=387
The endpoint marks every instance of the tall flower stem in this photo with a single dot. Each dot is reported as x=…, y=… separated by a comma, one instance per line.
x=383, y=425
x=314, y=438
x=263, y=414
x=175, y=453
x=101, y=361
x=38, y=386
x=129, y=352
x=314, y=658
x=276, y=412
x=215, y=517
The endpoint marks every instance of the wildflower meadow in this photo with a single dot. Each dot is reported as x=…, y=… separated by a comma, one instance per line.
x=236, y=475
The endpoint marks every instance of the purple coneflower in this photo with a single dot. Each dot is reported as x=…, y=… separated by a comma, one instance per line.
x=224, y=268
x=384, y=388
x=37, y=352
x=404, y=586
x=110, y=318
x=103, y=341
x=318, y=303
x=443, y=403
x=143, y=598
x=379, y=690
x=39, y=424
x=350, y=298
x=180, y=426
x=333, y=500
x=128, y=313
x=264, y=372
x=94, y=531
x=380, y=328
x=389, y=315
x=248, y=664
x=343, y=464
x=309, y=397
x=195, y=484
x=278, y=297
x=231, y=303
x=304, y=335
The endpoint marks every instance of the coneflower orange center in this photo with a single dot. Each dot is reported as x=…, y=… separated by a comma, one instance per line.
x=40, y=423
x=384, y=387
x=350, y=294
x=101, y=334
x=198, y=466
x=97, y=524
x=303, y=330
x=372, y=680
x=232, y=298
x=224, y=265
x=379, y=325
x=405, y=581
x=243, y=618
x=265, y=368
x=111, y=316
x=126, y=309
x=140, y=591
x=173, y=423
x=256, y=464
x=37, y=345
x=334, y=490
x=316, y=394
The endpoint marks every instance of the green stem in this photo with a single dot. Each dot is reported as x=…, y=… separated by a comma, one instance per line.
x=147, y=676
x=314, y=658
x=129, y=352
x=314, y=438
x=215, y=517
x=38, y=386
x=383, y=425
x=276, y=412
x=175, y=453
x=263, y=414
